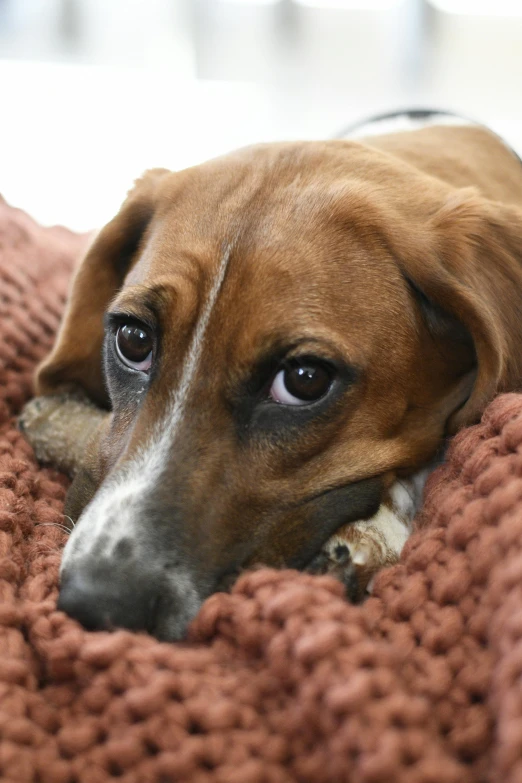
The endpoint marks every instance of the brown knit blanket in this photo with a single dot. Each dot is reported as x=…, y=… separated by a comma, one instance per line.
x=281, y=680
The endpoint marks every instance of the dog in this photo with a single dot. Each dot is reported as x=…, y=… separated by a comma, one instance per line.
x=262, y=357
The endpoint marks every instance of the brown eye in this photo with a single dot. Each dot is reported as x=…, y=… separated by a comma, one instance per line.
x=300, y=383
x=134, y=344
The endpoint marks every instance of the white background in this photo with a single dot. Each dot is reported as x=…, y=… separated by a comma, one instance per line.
x=94, y=91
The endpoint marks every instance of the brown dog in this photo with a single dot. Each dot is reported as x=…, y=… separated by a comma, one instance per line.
x=261, y=354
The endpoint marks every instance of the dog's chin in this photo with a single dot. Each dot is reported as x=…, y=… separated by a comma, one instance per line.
x=172, y=627
x=175, y=610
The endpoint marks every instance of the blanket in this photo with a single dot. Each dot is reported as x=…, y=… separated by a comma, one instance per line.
x=280, y=680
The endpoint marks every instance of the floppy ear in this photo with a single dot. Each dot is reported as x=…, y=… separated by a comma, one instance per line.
x=76, y=359
x=473, y=272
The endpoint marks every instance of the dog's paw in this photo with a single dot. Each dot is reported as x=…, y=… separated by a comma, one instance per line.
x=37, y=422
x=58, y=428
x=353, y=555
x=356, y=552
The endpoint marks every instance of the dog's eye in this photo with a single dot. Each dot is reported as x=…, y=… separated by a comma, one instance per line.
x=134, y=346
x=300, y=383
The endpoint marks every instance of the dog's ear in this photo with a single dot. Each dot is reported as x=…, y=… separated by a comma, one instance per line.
x=76, y=359
x=471, y=274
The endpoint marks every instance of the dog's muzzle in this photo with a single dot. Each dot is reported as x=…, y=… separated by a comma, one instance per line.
x=146, y=565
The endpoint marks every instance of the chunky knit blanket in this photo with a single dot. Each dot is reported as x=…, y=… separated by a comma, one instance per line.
x=281, y=680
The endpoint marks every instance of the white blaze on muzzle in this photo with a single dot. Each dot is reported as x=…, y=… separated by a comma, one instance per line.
x=117, y=509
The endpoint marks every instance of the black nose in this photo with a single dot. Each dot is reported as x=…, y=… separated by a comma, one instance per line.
x=101, y=596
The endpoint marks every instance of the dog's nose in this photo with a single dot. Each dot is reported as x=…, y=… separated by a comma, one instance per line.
x=100, y=597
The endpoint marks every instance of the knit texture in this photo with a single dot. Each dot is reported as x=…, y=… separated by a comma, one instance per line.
x=281, y=680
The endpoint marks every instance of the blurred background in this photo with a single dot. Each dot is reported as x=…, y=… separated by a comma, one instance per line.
x=95, y=91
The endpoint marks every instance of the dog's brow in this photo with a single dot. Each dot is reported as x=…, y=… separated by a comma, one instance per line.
x=279, y=346
x=138, y=311
x=140, y=299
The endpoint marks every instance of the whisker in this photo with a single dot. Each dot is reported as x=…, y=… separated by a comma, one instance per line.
x=70, y=520
x=47, y=548
x=53, y=524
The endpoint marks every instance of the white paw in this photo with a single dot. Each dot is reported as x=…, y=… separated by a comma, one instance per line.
x=356, y=552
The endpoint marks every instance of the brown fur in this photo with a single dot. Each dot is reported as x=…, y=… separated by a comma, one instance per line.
x=401, y=256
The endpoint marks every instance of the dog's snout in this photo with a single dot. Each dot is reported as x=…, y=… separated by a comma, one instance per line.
x=100, y=597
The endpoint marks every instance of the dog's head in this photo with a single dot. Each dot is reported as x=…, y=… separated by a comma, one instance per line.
x=276, y=334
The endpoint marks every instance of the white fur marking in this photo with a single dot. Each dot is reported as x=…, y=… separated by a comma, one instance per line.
x=372, y=541
x=116, y=505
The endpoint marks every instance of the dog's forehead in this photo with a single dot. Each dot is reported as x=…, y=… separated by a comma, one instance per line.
x=283, y=276
x=265, y=235
x=270, y=277
x=280, y=210
x=268, y=189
